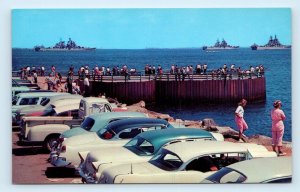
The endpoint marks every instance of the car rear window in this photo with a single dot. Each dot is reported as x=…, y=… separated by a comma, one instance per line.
x=87, y=124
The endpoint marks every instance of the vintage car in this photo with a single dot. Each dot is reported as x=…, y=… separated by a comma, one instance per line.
x=18, y=89
x=139, y=149
x=263, y=170
x=57, y=118
x=94, y=123
x=114, y=134
x=185, y=162
x=29, y=99
x=37, y=110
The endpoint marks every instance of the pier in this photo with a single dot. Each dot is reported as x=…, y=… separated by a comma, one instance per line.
x=168, y=88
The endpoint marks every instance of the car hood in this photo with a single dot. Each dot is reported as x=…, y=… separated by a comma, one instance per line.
x=122, y=155
x=87, y=138
x=73, y=132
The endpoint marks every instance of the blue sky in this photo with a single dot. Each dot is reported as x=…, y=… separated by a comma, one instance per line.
x=149, y=28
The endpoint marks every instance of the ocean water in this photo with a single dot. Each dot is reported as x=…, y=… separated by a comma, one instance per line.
x=277, y=65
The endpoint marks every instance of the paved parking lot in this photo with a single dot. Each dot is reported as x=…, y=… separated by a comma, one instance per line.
x=35, y=168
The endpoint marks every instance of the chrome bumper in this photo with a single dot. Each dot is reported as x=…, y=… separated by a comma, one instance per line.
x=58, y=161
x=86, y=177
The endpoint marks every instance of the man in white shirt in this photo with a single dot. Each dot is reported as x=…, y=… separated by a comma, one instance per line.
x=86, y=84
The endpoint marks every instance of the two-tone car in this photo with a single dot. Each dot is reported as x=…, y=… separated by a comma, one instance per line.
x=139, y=149
x=94, y=123
x=263, y=170
x=38, y=110
x=184, y=162
x=114, y=134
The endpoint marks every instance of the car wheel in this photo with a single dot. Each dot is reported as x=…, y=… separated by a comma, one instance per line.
x=49, y=142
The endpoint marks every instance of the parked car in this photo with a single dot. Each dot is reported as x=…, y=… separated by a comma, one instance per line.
x=38, y=110
x=115, y=134
x=139, y=149
x=184, y=162
x=94, y=123
x=264, y=170
x=33, y=98
x=60, y=116
x=23, y=89
x=18, y=89
x=22, y=100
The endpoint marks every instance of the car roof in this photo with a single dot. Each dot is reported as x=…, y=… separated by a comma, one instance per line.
x=189, y=150
x=122, y=124
x=38, y=94
x=64, y=96
x=94, y=99
x=262, y=169
x=112, y=115
x=159, y=138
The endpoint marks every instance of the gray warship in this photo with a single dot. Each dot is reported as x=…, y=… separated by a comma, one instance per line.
x=223, y=45
x=271, y=45
x=62, y=46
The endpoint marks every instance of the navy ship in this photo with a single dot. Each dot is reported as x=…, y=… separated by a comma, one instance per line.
x=223, y=45
x=272, y=44
x=62, y=46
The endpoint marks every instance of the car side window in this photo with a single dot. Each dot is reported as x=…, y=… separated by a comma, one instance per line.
x=24, y=101
x=219, y=160
x=33, y=101
x=81, y=106
x=127, y=134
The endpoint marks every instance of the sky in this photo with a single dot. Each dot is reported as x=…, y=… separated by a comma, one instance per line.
x=150, y=28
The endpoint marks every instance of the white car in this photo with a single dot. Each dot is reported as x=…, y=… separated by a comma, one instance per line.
x=139, y=149
x=115, y=134
x=263, y=170
x=186, y=162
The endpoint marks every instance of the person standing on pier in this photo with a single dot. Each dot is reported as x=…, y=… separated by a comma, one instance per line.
x=69, y=82
x=239, y=118
x=277, y=116
x=86, y=84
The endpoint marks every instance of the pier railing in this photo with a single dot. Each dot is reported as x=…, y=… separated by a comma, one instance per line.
x=172, y=77
x=140, y=76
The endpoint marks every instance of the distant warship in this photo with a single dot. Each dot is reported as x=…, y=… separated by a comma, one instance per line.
x=220, y=46
x=61, y=46
x=272, y=44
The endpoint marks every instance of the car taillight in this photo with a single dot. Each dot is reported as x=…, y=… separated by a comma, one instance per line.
x=63, y=148
x=61, y=139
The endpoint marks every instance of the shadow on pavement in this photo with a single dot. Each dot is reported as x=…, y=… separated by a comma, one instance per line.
x=29, y=151
x=60, y=172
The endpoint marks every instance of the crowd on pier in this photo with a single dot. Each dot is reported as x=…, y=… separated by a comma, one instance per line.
x=199, y=69
x=85, y=73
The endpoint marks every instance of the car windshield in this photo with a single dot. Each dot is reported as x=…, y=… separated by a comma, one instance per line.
x=45, y=102
x=166, y=160
x=227, y=175
x=140, y=146
x=87, y=124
